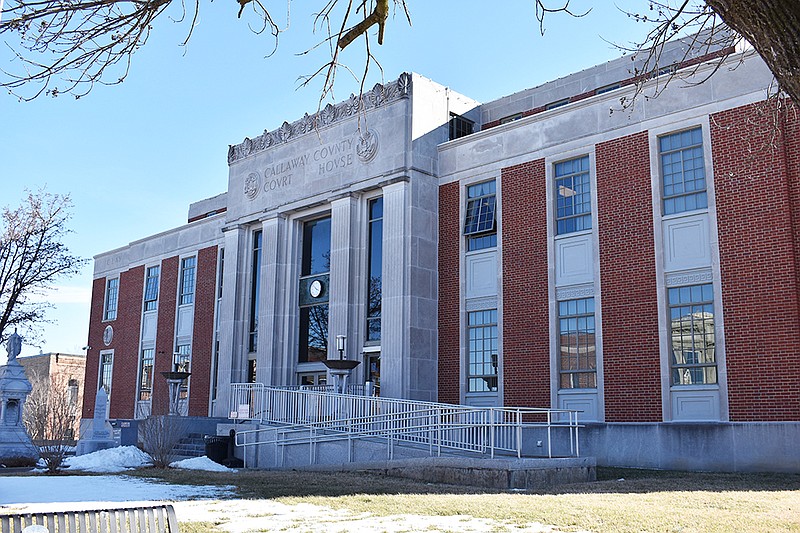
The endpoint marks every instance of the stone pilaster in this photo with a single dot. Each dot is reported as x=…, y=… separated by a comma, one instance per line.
x=344, y=277
x=231, y=335
x=394, y=323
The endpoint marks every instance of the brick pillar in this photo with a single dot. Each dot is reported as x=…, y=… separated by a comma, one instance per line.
x=756, y=186
x=631, y=354
x=526, y=327
x=449, y=283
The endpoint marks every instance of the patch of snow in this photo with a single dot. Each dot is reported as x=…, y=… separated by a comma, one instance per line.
x=109, y=460
x=201, y=463
x=59, y=489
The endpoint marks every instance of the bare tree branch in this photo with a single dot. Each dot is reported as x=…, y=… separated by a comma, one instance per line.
x=33, y=256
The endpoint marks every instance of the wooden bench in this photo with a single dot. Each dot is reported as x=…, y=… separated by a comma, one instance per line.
x=138, y=519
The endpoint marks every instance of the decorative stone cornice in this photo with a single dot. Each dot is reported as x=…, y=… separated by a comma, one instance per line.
x=378, y=96
x=572, y=293
x=689, y=278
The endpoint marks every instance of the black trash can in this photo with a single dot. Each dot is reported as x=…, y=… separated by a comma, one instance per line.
x=217, y=447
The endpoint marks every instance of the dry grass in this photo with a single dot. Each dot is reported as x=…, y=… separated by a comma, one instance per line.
x=643, y=501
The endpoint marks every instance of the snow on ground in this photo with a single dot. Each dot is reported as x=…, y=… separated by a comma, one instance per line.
x=59, y=489
x=109, y=460
x=201, y=463
x=240, y=516
x=214, y=504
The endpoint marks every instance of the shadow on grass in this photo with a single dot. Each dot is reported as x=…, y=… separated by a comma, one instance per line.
x=276, y=484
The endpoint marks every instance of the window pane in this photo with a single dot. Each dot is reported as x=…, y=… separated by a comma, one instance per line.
x=481, y=216
x=573, y=196
x=482, y=351
x=375, y=266
x=313, y=333
x=691, y=311
x=577, y=354
x=187, y=280
x=683, y=171
x=112, y=293
x=151, y=288
x=255, y=290
x=316, y=247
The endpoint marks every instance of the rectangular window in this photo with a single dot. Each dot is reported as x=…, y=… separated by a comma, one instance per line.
x=313, y=333
x=482, y=351
x=106, y=366
x=375, y=266
x=608, y=88
x=315, y=266
x=146, y=374
x=182, y=362
x=255, y=290
x=554, y=105
x=151, y=288
x=683, y=171
x=510, y=118
x=573, y=196
x=460, y=126
x=188, y=265
x=691, y=313
x=480, y=224
x=576, y=344
x=112, y=293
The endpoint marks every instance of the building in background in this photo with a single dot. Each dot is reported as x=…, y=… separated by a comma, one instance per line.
x=640, y=266
x=57, y=374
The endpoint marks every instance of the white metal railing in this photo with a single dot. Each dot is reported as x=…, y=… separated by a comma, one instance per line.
x=312, y=416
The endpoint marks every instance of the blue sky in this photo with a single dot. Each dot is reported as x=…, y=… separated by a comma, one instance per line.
x=134, y=156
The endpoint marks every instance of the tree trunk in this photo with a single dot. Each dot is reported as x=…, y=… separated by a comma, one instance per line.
x=773, y=28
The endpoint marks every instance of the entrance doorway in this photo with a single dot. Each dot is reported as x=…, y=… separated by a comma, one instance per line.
x=373, y=370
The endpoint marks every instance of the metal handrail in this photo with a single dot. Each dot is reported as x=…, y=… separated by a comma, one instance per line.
x=329, y=416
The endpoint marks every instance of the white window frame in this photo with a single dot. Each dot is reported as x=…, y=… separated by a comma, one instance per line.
x=107, y=299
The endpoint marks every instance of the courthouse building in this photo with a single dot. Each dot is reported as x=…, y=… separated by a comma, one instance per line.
x=545, y=249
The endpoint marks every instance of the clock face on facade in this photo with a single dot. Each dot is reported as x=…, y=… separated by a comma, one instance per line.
x=315, y=289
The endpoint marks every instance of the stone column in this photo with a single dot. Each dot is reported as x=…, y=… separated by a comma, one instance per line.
x=344, y=277
x=231, y=344
x=271, y=366
x=395, y=371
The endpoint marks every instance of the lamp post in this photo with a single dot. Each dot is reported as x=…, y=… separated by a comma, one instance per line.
x=175, y=379
x=340, y=340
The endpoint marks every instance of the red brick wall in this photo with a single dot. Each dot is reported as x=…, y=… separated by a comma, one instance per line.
x=125, y=344
x=203, y=334
x=631, y=357
x=449, y=328
x=758, y=257
x=127, y=329
x=165, y=333
x=95, y=340
x=526, y=328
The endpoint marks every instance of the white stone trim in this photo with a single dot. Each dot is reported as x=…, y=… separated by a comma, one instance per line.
x=666, y=279
x=585, y=290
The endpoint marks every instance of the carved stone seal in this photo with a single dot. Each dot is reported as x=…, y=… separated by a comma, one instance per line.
x=367, y=146
x=252, y=184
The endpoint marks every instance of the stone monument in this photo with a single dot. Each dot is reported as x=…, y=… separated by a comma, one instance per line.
x=15, y=444
x=100, y=435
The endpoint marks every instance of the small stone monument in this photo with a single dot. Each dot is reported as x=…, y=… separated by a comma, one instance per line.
x=15, y=444
x=100, y=435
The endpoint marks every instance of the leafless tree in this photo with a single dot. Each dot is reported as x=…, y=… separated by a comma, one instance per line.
x=84, y=42
x=33, y=256
x=49, y=415
x=159, y=435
